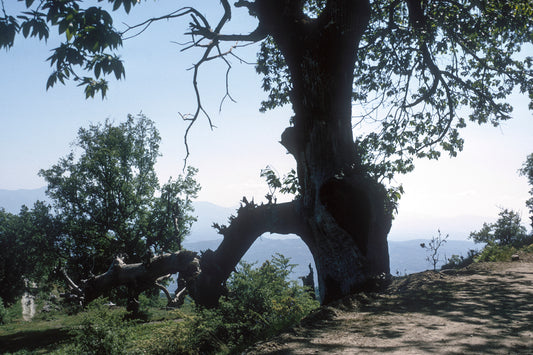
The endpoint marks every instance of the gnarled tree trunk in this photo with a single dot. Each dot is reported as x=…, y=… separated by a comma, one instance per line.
x=341, y=213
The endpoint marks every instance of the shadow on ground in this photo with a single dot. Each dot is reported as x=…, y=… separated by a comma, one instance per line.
x=479, y=310
x=34, y=339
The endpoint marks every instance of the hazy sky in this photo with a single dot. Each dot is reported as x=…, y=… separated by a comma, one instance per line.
x=37, y=127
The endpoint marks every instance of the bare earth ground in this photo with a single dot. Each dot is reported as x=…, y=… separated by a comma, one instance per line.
x=486, y=308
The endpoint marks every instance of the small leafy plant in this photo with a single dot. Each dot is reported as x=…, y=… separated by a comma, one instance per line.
x=103, y=330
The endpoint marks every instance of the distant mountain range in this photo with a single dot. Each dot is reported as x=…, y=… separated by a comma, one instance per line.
x=405, y=256
x=12, y=200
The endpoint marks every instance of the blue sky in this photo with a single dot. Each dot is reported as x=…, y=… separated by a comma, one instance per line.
x=455, y=195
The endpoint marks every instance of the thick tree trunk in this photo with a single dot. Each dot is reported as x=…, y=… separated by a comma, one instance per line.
x=342, y=208
x=348, y=238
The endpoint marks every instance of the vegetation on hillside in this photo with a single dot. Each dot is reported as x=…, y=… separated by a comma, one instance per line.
x=107, y=203
x=261, y=301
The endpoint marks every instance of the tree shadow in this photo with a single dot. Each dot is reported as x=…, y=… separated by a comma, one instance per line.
x=495, y=305
x=33, y=339
x=474, y=311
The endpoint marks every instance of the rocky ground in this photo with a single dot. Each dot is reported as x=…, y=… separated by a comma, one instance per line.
x=486, y=308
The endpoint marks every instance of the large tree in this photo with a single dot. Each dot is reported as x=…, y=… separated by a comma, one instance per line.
x=418, y=70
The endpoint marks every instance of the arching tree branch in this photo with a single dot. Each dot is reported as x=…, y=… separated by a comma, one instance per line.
x=250, y=223
x=206, y=275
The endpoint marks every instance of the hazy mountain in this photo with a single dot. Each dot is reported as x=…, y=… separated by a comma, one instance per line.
x=12, y=200
x=425, y=227
x=406, y=257
x=403, y=228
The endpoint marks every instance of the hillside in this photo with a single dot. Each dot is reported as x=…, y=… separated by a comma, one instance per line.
x=486, y=308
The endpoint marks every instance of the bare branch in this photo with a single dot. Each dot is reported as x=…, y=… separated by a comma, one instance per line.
x=71, y=285
x=200, y=31
x=143, y=26
x=179, y=297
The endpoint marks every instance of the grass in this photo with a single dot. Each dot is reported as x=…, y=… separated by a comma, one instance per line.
x=54, y=333
x=39, y=336
x=260, y=302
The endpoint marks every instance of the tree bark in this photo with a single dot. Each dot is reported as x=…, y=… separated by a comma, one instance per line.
x=342, y=208
x=137, y=277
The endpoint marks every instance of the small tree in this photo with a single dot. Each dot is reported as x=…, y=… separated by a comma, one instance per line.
x=432, y=248
x=506, y=231
x=110, y=201
x=106, y=197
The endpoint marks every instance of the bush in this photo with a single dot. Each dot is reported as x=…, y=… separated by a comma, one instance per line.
x=459, y=261
x=261, y=302
x=493, y=252
x=103, y=330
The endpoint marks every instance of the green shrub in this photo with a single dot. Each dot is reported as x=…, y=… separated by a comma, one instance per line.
x=261, y=302
x=103, y=330
x=459, y=261
x=493, y=252
x=529, y=248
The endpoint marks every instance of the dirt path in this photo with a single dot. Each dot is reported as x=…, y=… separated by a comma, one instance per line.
x=484, y=309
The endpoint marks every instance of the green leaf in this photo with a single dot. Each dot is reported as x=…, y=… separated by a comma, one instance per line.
x=117, y=4
x=68, y=34
x=62, y=27
x=51, y=80
x=97, y=69
x=26, y=29
x=127, y=6
x=89, y=91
